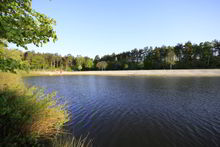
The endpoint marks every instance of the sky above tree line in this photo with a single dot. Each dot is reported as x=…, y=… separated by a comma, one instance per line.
x=100, y=27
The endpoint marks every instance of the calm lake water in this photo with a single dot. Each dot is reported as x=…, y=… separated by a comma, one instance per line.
x=140, y=111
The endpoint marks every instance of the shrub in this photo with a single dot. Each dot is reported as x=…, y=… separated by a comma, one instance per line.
x=27, y=115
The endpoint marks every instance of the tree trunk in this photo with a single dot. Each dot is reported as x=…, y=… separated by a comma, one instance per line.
x=208, y=60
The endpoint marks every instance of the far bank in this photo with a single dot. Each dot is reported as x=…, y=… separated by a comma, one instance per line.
x=179, y=73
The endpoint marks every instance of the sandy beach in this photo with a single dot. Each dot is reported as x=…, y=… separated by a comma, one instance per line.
x=183, y=73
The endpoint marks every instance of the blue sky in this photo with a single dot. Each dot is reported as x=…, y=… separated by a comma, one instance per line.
x=91, y=27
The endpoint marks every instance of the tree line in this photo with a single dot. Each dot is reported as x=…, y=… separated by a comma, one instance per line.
x=181, y=56
x=11, y=59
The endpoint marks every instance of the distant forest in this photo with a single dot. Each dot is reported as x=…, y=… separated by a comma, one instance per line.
x=181, y=56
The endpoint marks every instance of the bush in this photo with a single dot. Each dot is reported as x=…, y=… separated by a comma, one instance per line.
x=27, y=115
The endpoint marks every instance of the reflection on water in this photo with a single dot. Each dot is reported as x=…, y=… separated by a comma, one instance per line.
x=141, y=111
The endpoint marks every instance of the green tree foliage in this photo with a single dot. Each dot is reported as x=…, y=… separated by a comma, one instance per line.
x=67, y=61
x=79, y=62
x=126, y=66
x=79, y=67
x=3, y=43
x=88, y=64
x=45, y=61
x=22, y=25
x=10, y=60
x=170, y=57
x=8, y=65
x=38, y=62
x=96, y=59
x=216, y=44
x=181, y=56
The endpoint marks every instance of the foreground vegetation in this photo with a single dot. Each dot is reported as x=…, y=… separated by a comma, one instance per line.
x=27, y=115
x=69, y=141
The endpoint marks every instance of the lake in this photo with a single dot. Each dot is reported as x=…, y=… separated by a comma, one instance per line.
x=140, y=111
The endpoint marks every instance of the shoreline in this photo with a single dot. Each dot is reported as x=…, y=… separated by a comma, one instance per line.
x=175, y=73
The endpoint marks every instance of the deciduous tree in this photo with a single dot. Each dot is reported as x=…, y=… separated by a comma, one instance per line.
x=101, y=65
x=22, y=25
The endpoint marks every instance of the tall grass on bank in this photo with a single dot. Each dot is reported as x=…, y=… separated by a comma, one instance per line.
x=69, y=141
x=27, y=115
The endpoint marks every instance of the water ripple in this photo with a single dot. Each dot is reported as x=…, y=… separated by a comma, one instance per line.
x=141, y=111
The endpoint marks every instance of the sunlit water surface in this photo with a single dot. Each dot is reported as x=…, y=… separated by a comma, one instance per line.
x=140, y=111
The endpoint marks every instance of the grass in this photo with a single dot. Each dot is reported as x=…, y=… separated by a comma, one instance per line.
x=27, y=115
x=68, y=141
